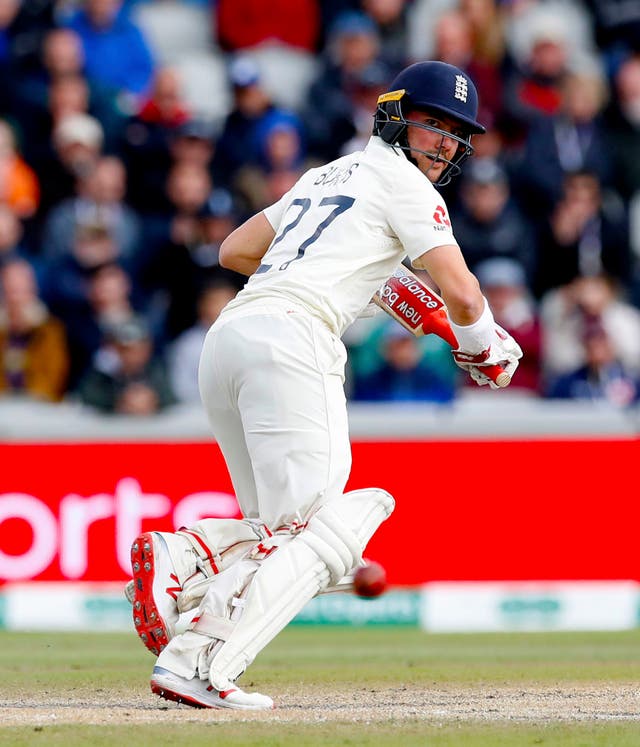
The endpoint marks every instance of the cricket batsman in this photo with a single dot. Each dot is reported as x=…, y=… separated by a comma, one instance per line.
x=271, y=380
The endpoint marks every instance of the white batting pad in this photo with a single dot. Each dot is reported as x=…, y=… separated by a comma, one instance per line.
x=212, y=539
x=218, y=543
x=365, y=510
x=189, y=654
x=330, y=546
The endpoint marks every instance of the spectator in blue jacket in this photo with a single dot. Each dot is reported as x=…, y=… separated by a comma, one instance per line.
x=115, y=49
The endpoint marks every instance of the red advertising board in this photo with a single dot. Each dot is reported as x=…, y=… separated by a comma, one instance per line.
x=465, y=510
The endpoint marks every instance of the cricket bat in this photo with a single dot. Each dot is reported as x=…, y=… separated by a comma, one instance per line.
x=420, y=309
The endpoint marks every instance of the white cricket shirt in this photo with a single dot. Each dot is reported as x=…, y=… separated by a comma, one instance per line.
x=342, y=230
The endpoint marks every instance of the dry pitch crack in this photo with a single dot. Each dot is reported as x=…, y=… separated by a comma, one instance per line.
x=578, y=703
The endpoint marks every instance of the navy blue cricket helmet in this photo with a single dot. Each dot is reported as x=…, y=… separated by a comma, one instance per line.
x=435, y=87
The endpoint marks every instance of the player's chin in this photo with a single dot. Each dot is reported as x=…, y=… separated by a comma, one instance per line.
x=434, y=170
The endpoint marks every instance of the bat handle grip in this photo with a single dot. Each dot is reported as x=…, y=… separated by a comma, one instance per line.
x=497, y=374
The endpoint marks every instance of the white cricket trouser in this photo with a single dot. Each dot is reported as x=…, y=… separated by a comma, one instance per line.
x=271, y=380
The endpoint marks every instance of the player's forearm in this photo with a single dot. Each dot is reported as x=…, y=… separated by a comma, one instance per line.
x=464, y=308
x=458, y=286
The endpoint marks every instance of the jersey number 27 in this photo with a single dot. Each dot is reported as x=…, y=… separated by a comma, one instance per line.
x=342, y=203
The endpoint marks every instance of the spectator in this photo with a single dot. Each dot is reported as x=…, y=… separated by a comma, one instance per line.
x=526, y=20
x=109, y=300
x=165, y=104
x=489, y=223
x=10, y=10
x=130, y=378
x=487, y=30
x=252, y=107
x=33, y=349
x=49, y=91
x=19, y=184
x=603, y=378
x=11, y=233
x=100, y=201
x=77, y=144
x=175, y=220
x=492, y=147
x=617, y=28
x=218, y=217
x=405, y=372
x=193, y=142
x=68, y=97
x=170, y=238
x=184, y=351
x=65, y=96
x=215, y=220
x=454, y=43
x=567, y=312
x=173, y=164
x=189, y=260
x=67, y=281
x=533, y=89
x=623, y=127
x=24, y=31
x=571, y=140
x=390, y=17
x=280, y=160
x=487, y=20
x=8, y=13
x=362, y=94
x=586, y=234
x=146, y=145
x=329, y=12
x=353, y=45
x=61, y=57
x=111, y=296
x=503, y=282
x=115, y=50
x=245, y=24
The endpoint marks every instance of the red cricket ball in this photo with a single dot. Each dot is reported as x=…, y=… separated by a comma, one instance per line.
x=370, y=580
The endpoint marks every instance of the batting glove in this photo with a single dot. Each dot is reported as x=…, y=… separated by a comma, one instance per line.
x=503, y=351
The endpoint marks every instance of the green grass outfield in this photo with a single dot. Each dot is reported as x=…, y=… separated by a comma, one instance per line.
x=45, y=677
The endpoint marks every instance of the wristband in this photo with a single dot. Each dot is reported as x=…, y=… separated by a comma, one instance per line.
x=476, y=337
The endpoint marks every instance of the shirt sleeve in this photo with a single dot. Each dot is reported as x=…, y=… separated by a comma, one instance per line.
x=276, y=211
x=418, y=215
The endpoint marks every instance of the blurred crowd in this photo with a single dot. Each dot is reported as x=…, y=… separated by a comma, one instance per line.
x=135, y=135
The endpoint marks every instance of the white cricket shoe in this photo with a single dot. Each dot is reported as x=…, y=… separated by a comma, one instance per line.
x=200, y=694
x=162, y=562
